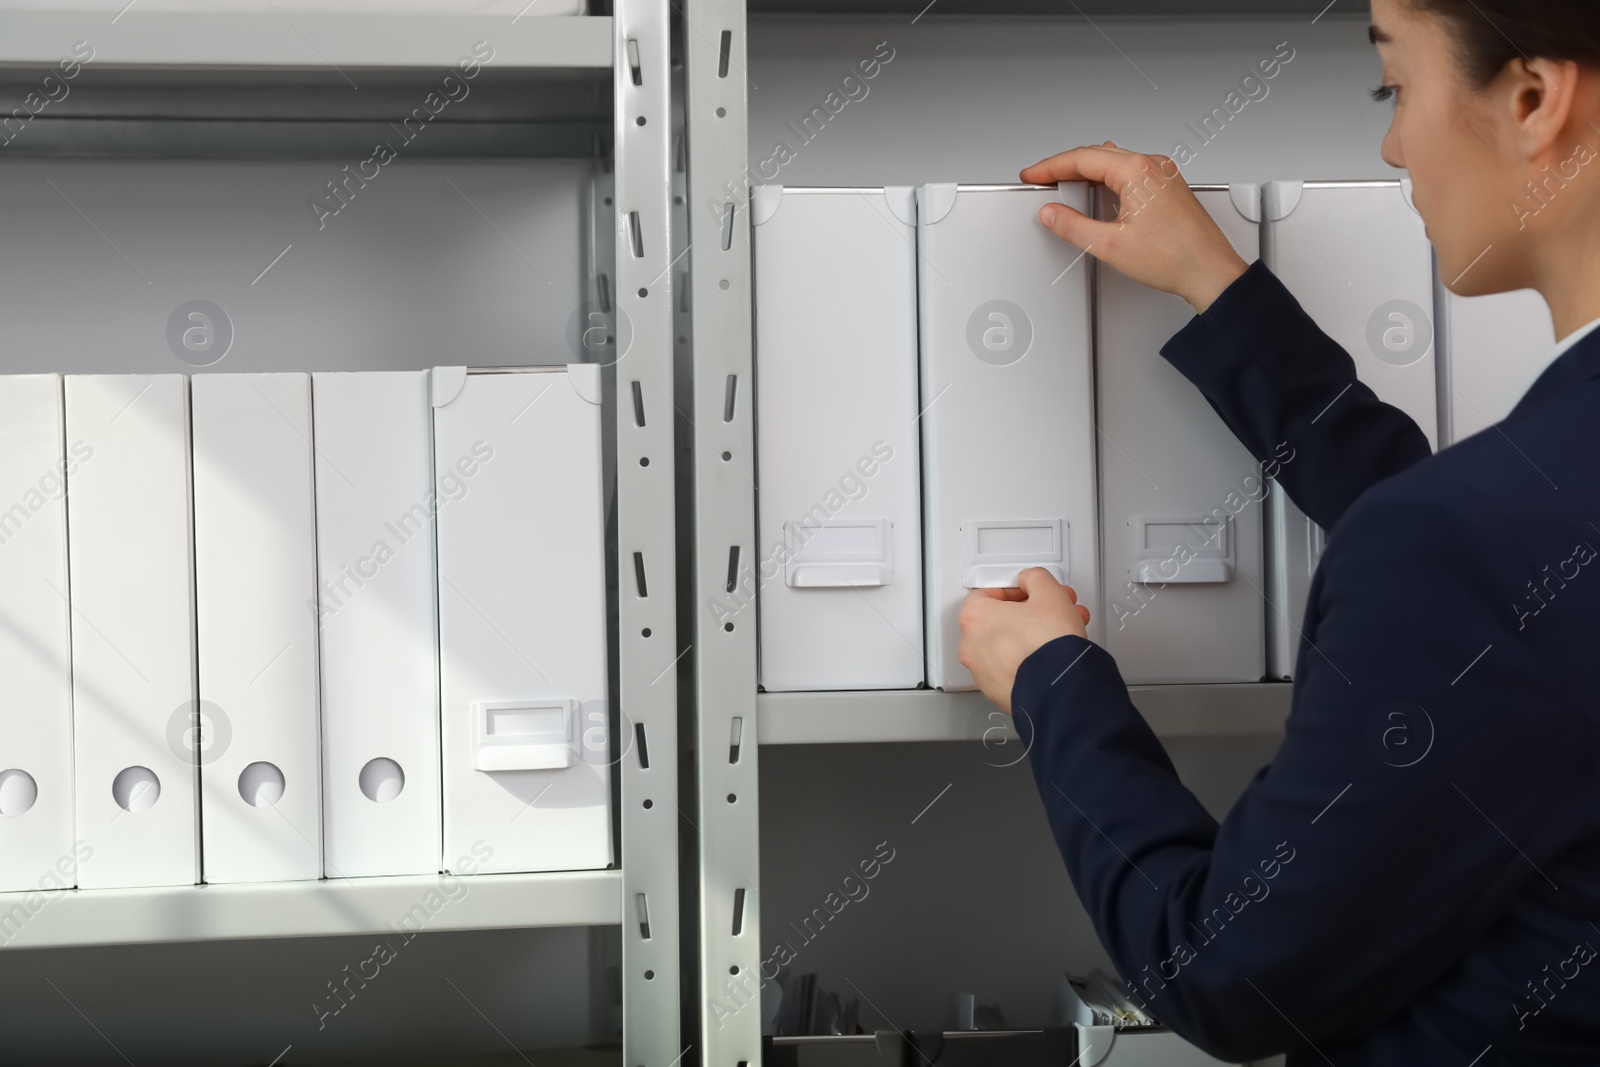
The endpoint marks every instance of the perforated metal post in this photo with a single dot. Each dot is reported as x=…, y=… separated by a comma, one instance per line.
x=725, y=549
x=646, y=545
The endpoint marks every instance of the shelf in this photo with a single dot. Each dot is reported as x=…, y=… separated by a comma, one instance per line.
x=1079, y=10
x=265, y=86
x=309, y=41
x=308, y=909
x=1173, y=711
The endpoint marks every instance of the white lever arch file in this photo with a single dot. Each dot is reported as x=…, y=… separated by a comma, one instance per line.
x=522, y=618
x=255, y=584
x=1007, y=410
x=36, y=840
x=1495, y=347
x=1356, y=256
x=377, y=614
x=840, y=525
x=134, y=702
x=1182, y=501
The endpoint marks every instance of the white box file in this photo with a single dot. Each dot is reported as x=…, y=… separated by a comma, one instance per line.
x=1494, y=348
x=1356, y=256
x=255, y=595
x=130, y=554
x=378, y=617
x=522, y=618
x=840, y=524
x=36, y=832
x=1181, y=500
x=1007, y=401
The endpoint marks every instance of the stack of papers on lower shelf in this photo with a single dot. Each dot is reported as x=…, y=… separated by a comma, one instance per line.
x=1098, y=1000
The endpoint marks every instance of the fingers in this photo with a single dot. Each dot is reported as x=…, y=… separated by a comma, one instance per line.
x=1038, y=582
x=1076, y=165
x=1000, y=594
x=1083, y=613
x=1074, y=227
x=1106, y=164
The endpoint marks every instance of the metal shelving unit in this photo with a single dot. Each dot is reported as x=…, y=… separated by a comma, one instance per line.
x=724, y=525
x=732, y=718
x=1173, y=711
x=584, y=87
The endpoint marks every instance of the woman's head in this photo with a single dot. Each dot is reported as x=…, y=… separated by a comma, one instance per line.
x=1497, y=119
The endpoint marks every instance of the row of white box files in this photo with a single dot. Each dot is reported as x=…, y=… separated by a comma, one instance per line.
x=933, y=370
x=262, y=627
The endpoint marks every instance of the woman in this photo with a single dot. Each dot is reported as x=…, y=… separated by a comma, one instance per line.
x=1349, y=911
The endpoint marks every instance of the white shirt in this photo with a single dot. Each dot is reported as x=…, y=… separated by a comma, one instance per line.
x=1572, y=339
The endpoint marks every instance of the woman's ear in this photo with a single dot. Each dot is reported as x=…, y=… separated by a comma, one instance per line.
x=1540, y=97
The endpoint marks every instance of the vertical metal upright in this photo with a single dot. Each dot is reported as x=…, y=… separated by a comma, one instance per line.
x=724, y=531
x=646, y=544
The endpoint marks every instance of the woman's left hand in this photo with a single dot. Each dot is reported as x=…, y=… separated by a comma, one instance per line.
x=1002, y=627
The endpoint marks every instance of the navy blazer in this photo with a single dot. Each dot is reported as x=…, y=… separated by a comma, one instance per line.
x=1415, y=879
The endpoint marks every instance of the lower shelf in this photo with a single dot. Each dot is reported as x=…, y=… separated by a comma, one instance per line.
x=309, y=909
x=1233, y=710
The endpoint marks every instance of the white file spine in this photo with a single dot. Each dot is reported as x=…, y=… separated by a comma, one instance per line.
x=1007, y=404
x=840, y=524
x=129, y=542
x=1182, y=500
x=255, y=577
x=522, y=628
x=1357, y=257
x=377, y=620
x=36, y=832
x=1494, y=348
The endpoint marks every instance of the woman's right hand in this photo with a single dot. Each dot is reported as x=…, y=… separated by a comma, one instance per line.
x=1162, y=236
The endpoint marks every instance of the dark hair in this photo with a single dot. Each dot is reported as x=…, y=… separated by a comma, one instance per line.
x=1492, y=33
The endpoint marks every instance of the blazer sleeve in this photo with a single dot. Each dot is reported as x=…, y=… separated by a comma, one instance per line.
x=1290, y=394
x=1384, y=840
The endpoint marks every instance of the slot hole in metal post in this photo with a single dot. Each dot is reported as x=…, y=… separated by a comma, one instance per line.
x=644, y=749
x=638, y=404
x=733, y=568
x=736, y=735
x=729, y=395
x=633, y=61
x=638, y=575
x=724, y=53
x=729, y=210
x=635, y=229
x=738, y=911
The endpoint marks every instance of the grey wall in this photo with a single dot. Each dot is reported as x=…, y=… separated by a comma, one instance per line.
x=434, y=262
x=977, y=99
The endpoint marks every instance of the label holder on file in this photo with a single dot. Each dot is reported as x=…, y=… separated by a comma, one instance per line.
x=994, y=552
x=523, y=735
x=1209, y=543
x=838, y=554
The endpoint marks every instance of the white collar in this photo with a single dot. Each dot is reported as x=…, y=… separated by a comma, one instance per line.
x=1573, y=338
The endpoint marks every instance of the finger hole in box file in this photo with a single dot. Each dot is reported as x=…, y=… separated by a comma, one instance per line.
x=136, y=789
x=18, y=792
x=382, y=779
x=261, y=785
